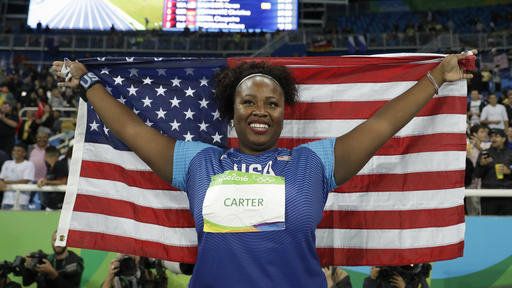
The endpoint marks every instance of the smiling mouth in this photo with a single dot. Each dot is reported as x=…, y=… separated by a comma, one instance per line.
x=259, y=128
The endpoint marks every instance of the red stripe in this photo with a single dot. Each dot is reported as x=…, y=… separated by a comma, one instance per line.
x=388, y=257
x=404, y=182
x=394, y=146
x=365, y=109
x=174, y=218
x=126, y=245
x=336, y=70
x=140, y=179
x=396, y=219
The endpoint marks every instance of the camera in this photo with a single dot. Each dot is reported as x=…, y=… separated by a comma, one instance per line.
x=485, y=153
x=36, y=258
x=15, y=267
x=127, y=267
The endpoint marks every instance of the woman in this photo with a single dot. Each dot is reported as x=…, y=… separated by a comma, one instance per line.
x=274, y=210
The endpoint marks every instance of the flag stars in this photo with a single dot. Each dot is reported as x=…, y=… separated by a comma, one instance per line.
x=135, y=111
x=94, y=126
x=189, y=92
x=101, y=58
x=118, y=80
x=161, y=72
x=148, y=123
x=204, y=103
x=202, y=126
x=134, y=72
x=216, y=137
x=105, y=129
x=109, y=90
x=189, y=114
x=129, y=59
x=147, y=101
x=105, y=70
x=204, y=81
x=175, y=102
x=147, y=80
x=160, y=113
x=121, y=99
x=188, y=136
x=216, y=114
x=160, y=90
x=175, y=125
x=176, y=81
x=189, y=71
x=132, y=90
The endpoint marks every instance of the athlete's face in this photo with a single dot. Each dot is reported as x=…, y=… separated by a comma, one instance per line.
x=258, y=114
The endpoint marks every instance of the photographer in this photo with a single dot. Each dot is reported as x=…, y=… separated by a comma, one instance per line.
x=62, y=269
x=127, y=271
x=409, y=276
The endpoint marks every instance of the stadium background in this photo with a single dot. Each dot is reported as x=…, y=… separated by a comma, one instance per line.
x=325, y=28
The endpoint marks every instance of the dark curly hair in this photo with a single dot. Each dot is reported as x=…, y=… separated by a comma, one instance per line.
x=228, y=79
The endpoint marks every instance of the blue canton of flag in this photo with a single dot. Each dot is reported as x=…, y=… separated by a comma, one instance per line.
x=174, y=96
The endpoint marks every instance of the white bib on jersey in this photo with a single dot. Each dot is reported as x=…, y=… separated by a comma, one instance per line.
x=244, y=202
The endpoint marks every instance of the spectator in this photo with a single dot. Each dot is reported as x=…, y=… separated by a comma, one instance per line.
x=128, y=271
x=336, y=277
x=408, y=276
x=62, y=269
x=28, y=129
x=56, y=100
x=475, y=107
x=508, y=105
x=57, y=175
x=8, y=124
x=493, y=166
x=16, y=171
x=494, y=115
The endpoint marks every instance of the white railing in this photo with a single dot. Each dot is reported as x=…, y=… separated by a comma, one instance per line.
x=62, y=188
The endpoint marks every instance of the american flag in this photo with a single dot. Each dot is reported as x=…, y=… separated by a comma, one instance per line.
x=405, y=206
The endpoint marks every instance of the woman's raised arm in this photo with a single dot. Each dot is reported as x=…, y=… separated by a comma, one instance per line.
x=152, y=147
x=353, y=150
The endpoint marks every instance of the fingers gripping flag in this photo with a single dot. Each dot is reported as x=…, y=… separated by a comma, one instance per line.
x=405, y=206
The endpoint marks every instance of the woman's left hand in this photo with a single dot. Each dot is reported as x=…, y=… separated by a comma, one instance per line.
x=450, y=70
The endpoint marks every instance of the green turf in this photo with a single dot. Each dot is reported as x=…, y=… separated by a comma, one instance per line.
x=140, y=9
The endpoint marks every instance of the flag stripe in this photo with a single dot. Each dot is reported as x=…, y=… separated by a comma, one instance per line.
x=444, y=123
x=408, y=219
x=360, y=109
x=348, y=92
x=388, y=257
x=132, y=245
x=135, y=178
x=173, y=218
x=405, y=182
x=159, y=199
x=396, y=200
x=395, y=145
x=389, y=238
x=130, y=228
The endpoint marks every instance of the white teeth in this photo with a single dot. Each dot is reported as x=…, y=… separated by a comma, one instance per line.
x=258, y=126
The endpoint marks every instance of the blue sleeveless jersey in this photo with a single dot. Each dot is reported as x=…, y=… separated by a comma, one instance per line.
x=280, y=258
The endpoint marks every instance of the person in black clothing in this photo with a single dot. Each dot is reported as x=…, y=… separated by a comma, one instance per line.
x=408, y=276
x=8, y=124
x=57, y=174
x=63, y=269
x=494, y=168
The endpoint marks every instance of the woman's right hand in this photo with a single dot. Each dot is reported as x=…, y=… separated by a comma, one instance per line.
x=76, y=69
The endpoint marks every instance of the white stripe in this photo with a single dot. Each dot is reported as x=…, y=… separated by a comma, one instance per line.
x=124, y=227
x=160, y=199
x=416, y=162
x=74, y=175
x=105, y=153
x=393, y=201
x=403, y=163
x=390, y=238
x=424, y=125
x=369, y=91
